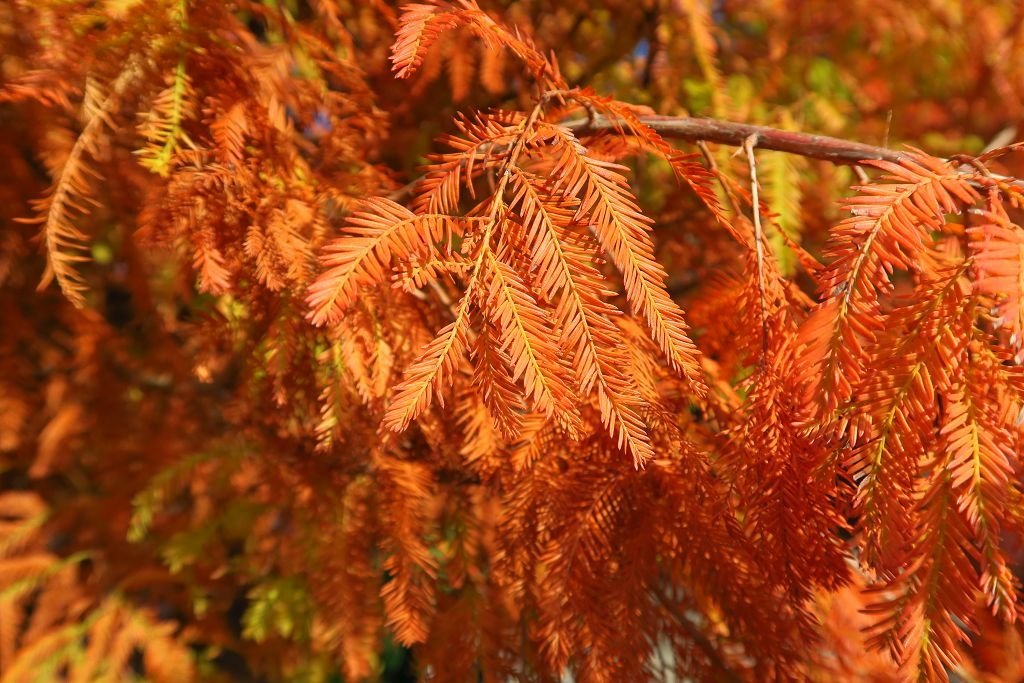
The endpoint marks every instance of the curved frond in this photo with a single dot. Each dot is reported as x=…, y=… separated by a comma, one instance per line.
x=922, y=615
x=71, y=195
x=481, y=145
x=419, y=28
x=998, y=247
x=899, y=398
x=162, y=126
x=426, y=377
x=582, y=315
x=362, y=256
x=890, y=229
x=535, y=358
x=623, y=231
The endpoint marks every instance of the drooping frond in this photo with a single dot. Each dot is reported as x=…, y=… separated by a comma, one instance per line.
x=889, y=229
x=789, y=497
x=347, y=585
x=431, y=372
x=624, y=233
x=537, y=361
x=702, y=28
x=979, y=445
x=998, y=247
x=408, y=595
x=71, y=194
x=208, y=261
x=279, y=246
x=361, y=258
x=498, y=391
x=898, y=400
x=782, y=174
x=625, y=117
x=582, y=315
x=583, y=537
x=420, y=26
x=480, y=145
x=229, y=129
x=483, y=444
x=922, y=614
x=163, y=125
x=936, y=468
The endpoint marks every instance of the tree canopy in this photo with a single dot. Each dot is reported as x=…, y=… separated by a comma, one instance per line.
x=641, y=340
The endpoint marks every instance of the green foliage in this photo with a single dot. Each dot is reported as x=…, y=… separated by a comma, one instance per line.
x=278, y=606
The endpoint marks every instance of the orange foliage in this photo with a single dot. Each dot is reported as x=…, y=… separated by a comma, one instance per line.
x=305, y=374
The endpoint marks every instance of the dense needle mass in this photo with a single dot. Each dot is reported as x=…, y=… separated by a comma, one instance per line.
x=348, y=339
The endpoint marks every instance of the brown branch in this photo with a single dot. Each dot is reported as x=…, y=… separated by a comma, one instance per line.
x=733, y=134
x=693, y=129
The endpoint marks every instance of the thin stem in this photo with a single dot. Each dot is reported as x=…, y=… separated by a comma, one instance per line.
x=748, y=148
